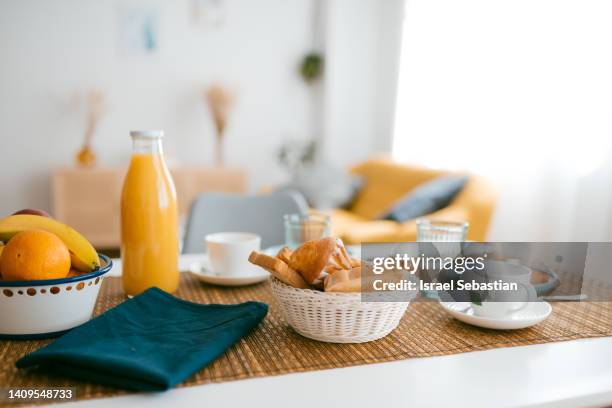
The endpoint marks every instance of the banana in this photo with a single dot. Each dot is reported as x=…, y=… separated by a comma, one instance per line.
x=82, y=254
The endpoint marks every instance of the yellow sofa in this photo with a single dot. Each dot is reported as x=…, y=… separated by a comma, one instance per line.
x=385, y=182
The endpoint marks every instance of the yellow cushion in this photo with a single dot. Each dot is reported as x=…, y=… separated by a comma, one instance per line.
x=385, y=182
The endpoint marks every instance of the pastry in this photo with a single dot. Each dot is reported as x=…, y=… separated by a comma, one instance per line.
x=340, y=258
x=345, y=280
x=312, y=265
x=284, y=254
x=311, y=258
x=319, y=258
x=358, y=279
x=278, y=269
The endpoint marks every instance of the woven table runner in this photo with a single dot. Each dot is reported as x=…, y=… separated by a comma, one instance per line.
x=274, y=348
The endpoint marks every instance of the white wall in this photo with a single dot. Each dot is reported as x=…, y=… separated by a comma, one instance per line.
x=50, y=50
x=362, y=47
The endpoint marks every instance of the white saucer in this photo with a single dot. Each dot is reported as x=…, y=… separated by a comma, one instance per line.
x=532, y=314
x=201, y=269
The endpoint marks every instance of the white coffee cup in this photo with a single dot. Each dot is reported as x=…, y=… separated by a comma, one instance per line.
x=503, y=303
x=229, y=252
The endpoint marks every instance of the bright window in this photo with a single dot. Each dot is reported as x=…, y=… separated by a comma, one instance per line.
x=520, y=91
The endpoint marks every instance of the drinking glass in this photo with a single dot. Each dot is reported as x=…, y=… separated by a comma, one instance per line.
x=300, y=228
x=446, y=237
x=441, y=231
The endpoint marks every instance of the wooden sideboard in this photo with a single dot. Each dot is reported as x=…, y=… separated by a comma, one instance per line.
x=89, y=199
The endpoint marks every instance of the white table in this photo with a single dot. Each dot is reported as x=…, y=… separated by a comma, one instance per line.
x=566, y=374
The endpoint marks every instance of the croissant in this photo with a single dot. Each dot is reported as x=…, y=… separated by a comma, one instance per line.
x=317, y=259
x=340, y=259
x=311, y=258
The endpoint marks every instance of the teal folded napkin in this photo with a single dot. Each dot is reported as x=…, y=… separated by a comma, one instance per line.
x=151, y=342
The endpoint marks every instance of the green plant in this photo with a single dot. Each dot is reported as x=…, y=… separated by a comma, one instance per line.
x=311, y=67
x=295, y=154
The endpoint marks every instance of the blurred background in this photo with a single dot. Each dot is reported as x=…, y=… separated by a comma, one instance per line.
x=259, y=95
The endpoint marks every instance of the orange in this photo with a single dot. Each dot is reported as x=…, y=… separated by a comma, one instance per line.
x=34, y=255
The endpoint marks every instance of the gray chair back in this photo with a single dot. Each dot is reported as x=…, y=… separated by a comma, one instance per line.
x=260, y=214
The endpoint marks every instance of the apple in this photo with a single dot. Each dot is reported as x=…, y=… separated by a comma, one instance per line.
x=30, y=211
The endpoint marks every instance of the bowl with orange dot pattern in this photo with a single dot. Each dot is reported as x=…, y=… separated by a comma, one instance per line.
x=48, y=308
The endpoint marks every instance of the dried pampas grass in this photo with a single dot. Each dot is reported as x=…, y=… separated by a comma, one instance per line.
x=220, y=101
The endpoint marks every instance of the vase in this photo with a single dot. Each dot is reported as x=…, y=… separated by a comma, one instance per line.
x=85, y=157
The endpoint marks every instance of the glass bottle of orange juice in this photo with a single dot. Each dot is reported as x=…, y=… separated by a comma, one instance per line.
x=149, y=219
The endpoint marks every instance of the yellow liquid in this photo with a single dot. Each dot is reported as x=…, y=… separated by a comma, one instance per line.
x=149, y=226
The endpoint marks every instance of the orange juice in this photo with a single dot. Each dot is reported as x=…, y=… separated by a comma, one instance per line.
x=149, y=219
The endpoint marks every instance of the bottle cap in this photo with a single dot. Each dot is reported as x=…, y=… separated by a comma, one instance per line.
x=151, y=134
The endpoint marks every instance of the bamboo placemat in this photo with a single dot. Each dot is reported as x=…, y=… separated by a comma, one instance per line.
x=273, y=348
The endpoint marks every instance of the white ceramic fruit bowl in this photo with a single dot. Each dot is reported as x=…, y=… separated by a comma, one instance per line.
x=48, y=308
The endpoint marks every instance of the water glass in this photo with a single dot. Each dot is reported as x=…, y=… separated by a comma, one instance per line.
x=441, y=231
x=300, y=228
x=446, y=237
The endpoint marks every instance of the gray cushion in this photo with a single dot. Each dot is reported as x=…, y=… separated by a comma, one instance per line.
x=325, y=186
x=426, y=198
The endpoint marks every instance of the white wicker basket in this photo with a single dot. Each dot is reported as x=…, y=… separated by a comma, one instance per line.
x=336, y=317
